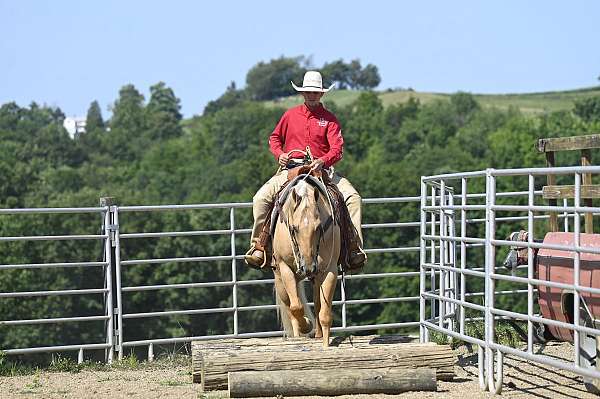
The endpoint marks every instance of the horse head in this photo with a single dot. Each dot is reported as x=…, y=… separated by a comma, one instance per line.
x=305, y=228
x=517, y=255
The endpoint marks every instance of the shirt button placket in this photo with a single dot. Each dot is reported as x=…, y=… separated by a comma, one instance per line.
x=307, y=131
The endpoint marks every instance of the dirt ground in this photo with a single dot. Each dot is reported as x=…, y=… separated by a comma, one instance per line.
x=161, y=380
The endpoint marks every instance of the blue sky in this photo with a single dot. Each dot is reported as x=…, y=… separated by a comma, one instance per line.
x=69, y=53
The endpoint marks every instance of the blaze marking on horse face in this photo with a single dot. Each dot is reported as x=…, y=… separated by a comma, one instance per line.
x=305, y=221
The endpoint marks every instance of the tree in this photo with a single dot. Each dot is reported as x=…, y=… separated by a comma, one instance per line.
x=10, y=114
x=368, y=78
x=351, y=75
x=268, y=81
x=588, y=109
x=94, y=119
x=354, y=69
x=128, y=125
x=230, y=98
x=395, y=114
x=163, y=116
x=337, y=72
x=365, y=127
x=128, y=109
x=464, y=104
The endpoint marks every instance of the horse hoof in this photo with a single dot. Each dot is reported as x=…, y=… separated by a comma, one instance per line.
x=309, y=326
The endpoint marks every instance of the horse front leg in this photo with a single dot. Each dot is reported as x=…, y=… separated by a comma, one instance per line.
x=326, y=293
x=300, y=323
x=317, y=302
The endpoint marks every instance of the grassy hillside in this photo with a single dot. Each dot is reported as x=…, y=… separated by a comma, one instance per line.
x=527, y=102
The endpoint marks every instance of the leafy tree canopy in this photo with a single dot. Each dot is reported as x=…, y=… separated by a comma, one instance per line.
x=141, y=156
x=94, y=119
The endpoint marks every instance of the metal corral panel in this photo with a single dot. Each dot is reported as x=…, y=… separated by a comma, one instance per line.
x=557, y=266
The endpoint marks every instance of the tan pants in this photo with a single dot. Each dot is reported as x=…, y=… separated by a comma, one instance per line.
x=266, y=195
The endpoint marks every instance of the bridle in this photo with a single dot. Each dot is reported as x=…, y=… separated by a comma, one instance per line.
x=299, y=261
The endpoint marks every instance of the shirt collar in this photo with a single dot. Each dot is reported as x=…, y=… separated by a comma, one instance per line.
x=308, y=111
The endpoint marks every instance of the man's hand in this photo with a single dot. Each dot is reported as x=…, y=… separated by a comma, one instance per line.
x=283, y=159
x=317, y=164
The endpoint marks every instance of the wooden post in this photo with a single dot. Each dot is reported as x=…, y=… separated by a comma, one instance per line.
x=553, y=221
x=588, y=190
x=331, y=382
x=586, y=158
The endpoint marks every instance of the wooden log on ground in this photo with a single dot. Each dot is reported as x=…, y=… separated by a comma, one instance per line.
x=250, y=384
x=210, y=366
x=302, y=343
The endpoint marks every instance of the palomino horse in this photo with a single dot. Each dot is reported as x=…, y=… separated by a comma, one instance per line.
x=306, y=244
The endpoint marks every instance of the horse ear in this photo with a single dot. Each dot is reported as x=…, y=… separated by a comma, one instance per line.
x=295, y=196
x=316, y=195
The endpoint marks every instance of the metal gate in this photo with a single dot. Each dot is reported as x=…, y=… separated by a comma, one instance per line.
x=119, y=233
x=460, y=271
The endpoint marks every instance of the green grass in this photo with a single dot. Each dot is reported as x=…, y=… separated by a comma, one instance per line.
x=533, y=103
x=63, y=364
x=504, y=334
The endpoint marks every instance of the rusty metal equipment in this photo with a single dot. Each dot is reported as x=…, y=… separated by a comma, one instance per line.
x=557, y=266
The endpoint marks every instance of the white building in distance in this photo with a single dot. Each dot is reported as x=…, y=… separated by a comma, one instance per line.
x=74, y=125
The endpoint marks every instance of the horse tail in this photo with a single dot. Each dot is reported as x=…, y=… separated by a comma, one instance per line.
x=284, y=317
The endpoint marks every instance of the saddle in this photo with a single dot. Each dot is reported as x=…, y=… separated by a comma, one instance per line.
x=341, y=215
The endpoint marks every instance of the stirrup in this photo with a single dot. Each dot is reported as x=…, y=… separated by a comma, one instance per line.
x=358, y=258
x=255, y=258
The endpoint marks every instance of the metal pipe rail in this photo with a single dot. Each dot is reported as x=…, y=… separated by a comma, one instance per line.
x=114, y=263
x=104, y=291
x=444, y=259
x=234, y=283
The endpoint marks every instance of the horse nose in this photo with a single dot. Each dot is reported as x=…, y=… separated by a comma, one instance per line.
x=511, y=260
x=314, y=267
x=302, y=262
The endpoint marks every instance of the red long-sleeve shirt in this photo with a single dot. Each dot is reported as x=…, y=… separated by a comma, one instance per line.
x=300, y=127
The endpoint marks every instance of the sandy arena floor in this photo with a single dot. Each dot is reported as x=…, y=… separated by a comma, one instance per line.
x=163, y=380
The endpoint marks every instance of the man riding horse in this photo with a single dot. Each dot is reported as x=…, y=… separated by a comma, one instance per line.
x=307, y=125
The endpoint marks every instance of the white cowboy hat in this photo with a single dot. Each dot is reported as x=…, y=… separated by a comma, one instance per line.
x=312, y=82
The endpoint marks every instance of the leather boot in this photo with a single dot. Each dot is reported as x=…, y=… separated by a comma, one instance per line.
x=357, y=258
